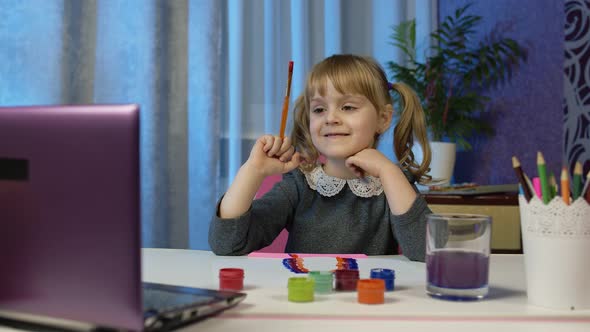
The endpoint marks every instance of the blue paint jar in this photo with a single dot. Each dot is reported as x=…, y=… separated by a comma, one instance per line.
x=387, y=275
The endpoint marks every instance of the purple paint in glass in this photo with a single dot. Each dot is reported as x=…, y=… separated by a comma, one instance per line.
x=457, y=269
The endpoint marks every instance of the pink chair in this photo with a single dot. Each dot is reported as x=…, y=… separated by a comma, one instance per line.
x=278, y=245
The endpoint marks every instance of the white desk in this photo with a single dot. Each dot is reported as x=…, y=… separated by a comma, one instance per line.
x=407, y=308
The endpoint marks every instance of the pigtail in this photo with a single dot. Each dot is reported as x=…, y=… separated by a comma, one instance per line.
x=412, y=124
x=301, y=137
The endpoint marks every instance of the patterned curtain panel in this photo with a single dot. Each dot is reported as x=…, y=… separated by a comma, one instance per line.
x=576, y=103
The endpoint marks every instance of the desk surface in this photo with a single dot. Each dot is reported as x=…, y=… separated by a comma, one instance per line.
x=408, y=307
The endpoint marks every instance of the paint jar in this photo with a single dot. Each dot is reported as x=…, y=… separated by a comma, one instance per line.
x=231, y=279
x=371, y=291
x=300, y=289
x=387, y=275
x=323, y=281
x=346, y=280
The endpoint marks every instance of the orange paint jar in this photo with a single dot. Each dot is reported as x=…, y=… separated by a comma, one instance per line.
x=371, y=291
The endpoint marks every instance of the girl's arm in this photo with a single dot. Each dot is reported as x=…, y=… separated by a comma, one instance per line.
x=399, y=192
x=239, y=196
x=261, y=224
x=408, y=211
x=270, y=155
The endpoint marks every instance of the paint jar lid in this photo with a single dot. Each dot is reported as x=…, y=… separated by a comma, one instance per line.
x=347, y=274
x=232, y=273
x=321, y=276
x=379, y=273
x=371, y=284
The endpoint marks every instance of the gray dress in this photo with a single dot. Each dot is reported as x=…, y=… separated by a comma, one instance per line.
x=343, y=223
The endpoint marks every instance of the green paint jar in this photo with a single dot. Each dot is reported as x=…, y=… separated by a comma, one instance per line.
x=300, y=289
x=323, y=281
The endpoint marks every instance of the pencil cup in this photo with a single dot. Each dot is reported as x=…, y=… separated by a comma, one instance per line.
x=556, y=246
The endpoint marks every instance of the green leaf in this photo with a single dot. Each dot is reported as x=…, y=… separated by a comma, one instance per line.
x=454, y=64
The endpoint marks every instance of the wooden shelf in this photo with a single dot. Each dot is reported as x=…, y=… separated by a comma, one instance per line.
x=503, y=208
x=492, y=199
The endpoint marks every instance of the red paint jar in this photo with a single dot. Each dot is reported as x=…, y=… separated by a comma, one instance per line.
x=231, y=279
x=346, y=280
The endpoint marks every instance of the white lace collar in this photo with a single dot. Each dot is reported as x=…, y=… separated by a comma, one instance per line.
x=329, y=186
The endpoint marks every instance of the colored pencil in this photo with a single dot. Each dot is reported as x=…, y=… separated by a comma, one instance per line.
x=553, y=185
x=286, y=101
x=537, y=186
x=586, y=190
x=577, y=181
x=529, y=183
x=565, y=186
x=521, y=179
x=542, y=169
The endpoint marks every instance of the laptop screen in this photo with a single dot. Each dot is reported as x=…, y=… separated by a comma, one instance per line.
x=70, y=213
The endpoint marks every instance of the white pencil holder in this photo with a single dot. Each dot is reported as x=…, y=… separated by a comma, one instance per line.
x=556, y=246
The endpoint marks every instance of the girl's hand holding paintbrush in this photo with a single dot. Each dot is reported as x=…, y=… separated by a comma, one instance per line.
x=270, y=155
x=273, y=155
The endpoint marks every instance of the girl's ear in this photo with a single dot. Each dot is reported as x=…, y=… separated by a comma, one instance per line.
x=385, y=118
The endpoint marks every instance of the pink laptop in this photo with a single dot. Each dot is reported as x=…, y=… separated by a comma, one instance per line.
x=70, y=233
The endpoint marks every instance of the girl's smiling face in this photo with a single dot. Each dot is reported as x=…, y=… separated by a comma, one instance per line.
x=342, y=125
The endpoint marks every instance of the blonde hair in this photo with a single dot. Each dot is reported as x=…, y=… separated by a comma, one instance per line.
x=363, y=75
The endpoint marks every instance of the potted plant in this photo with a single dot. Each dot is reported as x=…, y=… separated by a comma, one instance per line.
x=453, y=77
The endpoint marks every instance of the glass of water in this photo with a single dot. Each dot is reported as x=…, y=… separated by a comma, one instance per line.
x=458, y=256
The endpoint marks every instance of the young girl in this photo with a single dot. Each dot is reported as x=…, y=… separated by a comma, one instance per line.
x=357, y=201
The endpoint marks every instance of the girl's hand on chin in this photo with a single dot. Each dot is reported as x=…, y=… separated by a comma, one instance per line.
x=368, y=162
x=273, y=155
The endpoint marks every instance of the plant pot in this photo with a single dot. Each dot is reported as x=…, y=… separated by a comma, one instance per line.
x=443, y=161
